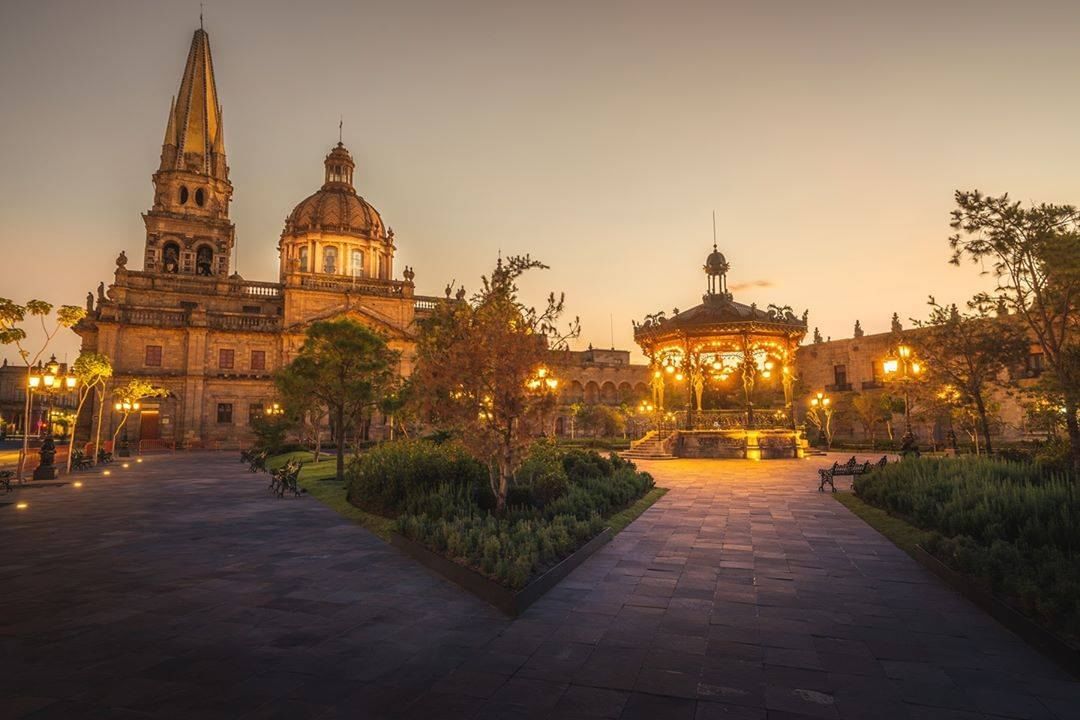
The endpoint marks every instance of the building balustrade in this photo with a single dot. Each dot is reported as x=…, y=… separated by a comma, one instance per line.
x=242, y=321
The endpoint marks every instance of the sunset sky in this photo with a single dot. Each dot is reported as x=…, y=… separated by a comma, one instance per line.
x=597, y=136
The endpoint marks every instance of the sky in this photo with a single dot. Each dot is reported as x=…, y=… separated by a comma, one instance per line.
x=598, y=136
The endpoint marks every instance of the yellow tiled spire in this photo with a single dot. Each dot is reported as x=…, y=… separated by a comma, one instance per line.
x=194, y=140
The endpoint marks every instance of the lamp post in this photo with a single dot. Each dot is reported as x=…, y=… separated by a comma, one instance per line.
x=545, y=383
x=821, y=415
x=904, y=368
x=274, y=410
x=44, y=379
x=126, y=407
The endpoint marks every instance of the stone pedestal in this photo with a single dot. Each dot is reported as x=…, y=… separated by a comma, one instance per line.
x=45, y=472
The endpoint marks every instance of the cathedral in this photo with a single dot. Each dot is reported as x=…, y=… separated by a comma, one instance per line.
x=214, y=339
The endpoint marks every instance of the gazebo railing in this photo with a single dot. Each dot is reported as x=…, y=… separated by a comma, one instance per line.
x=763, y=419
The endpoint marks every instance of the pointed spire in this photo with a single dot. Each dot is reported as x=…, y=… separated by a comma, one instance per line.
x=194, y=140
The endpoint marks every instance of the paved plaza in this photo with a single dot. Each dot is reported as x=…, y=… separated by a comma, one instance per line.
x=177, y=588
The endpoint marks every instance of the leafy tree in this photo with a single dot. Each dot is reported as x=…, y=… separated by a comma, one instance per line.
x=346, y=368
x=1034, y=254
x=12, y=316
x=135, y=390
x=301, y=406
x=820, y=415
x=93, y=371
x=971, y=352
x=871, y=410
x=601, y=420
x=481, y=369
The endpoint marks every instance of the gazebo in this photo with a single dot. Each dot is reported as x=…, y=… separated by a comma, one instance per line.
x=731, y=367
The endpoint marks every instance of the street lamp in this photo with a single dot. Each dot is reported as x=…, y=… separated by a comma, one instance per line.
x=821, y=416
x=126, y=407
x=47, y=379
x=904, y=368
x=274, y=409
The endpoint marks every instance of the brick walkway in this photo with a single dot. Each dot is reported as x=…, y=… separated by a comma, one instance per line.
x=178, y=589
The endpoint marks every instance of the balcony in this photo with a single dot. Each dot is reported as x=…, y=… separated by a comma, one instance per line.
x=838, y=387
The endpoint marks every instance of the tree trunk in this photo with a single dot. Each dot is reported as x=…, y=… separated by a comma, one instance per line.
x=26, y=427
x=101, y=414
x=1073, y=428
x=75, y=427
x=984, y=424
x=339, y=436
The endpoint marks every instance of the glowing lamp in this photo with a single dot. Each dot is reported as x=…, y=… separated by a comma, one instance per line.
x=49, y=380
x=35, y=380
x=890, y=366
x=70, y=381
x=678, y=377
x=21, y=506
x=916, y=368
x=904, y=351
x=669, y=369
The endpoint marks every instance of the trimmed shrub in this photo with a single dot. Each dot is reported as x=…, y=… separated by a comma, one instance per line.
x=393, y=475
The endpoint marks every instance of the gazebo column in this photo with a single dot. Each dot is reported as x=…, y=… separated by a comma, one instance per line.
x=788, y=377
x=749, y=370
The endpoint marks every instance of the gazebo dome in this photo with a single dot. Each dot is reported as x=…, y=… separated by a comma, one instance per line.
x=716, y=263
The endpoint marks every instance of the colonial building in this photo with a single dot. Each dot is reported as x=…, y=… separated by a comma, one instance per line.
x=842, y=369
x=211, y=338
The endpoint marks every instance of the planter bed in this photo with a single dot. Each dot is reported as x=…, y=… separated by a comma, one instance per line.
x=511, y=602
x=1047, y=642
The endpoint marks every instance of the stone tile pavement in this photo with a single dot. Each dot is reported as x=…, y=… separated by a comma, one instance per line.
x=178, y=588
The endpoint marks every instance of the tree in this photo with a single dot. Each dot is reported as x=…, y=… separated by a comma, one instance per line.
x=11, y=318
x=971, y=352
x=601, y=420
x=93, y=370
x=871, y=410
x=346, y=368
x=820, y=415
x=1034, y=254
x=130, y=394
x=300, y=405
x=481, y=369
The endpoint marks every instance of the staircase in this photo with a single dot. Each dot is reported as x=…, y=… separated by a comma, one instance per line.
x=651, y=446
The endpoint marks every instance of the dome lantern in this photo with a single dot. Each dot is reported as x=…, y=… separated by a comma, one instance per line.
x=716, y=267
x=339, y=168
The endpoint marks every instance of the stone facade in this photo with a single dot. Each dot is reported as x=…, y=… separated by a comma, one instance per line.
x=842, y=368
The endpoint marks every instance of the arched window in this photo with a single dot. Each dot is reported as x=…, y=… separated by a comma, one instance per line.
x=357, y=268
x=183, y=194
x=329, y=260
x=170, y=258
x=204, y=261
x=304, y=267
x=383, y=270
x=200, y=197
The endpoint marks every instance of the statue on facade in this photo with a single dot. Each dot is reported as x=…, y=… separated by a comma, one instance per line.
x=408, y=274
x=89, y=303
x=449, y=289
x=460, y=293
x=101, y=293
x=858, y=332
x=121, y=260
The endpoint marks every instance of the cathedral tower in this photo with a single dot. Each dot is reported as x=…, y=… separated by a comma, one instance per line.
x=188, y=230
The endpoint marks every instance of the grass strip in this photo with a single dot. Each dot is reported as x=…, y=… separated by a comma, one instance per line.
x=319, y=480
x=620, y=520
x=904, y=535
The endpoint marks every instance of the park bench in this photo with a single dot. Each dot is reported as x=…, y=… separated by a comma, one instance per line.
x=851, y=467
x=104, y=456
x=284, y=479
x=5, y=479
x=79, y=461
x=256, y=459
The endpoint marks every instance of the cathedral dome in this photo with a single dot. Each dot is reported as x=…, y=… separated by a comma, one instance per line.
x=335, y=207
